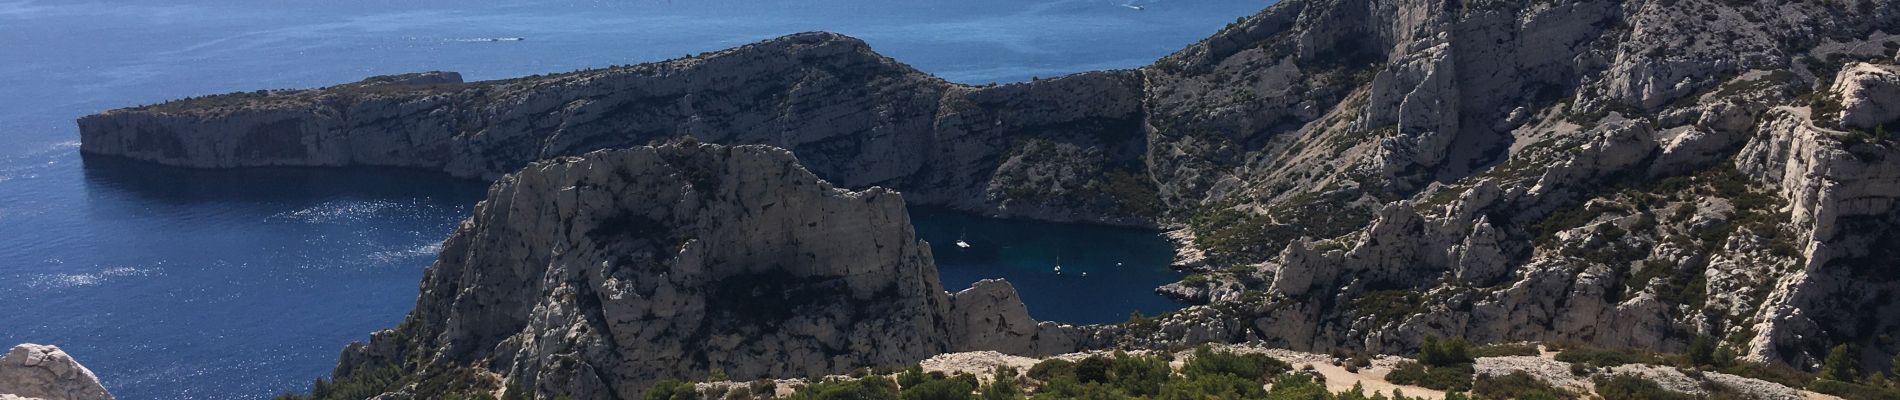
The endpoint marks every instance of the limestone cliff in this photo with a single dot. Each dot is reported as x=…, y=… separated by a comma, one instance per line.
x=32, y=371
x=595, y=275
x=1345, y=173
x=1624, y=173
x=854, y=117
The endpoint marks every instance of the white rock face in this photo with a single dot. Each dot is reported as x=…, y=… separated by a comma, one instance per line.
x=598, y=274
x=34, y=371
x=1869, y=95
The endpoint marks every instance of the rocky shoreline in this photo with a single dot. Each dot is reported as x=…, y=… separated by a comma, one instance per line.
x=1347, y=175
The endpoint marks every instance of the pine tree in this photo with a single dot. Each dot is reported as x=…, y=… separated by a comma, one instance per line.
x=1893, y=366
x=1702, y=351
x=1839, y=365
x=1429, y=353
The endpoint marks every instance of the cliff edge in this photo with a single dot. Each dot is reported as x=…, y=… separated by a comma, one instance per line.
x=596, y=275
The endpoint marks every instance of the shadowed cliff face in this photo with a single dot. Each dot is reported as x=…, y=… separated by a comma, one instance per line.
x=855, y=117
x=1345, y=173
x=596, y=275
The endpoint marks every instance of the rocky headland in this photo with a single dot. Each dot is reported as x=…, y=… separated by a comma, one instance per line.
x=596, y=275
x=1354, y=175
x=854, y=117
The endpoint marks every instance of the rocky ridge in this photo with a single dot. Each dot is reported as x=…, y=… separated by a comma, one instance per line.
x=854, y=117
x=1356, y=174
x=32, y=371
x=595, y=275
x=1536, y=171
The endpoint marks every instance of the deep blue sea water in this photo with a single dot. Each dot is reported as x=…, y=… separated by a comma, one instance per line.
x=1106, y=272
x=191, y=284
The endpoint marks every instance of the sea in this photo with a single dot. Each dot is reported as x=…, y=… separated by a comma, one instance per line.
x=174, y=283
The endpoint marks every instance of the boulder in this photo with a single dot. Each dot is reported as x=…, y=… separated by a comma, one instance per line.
x=34, y=371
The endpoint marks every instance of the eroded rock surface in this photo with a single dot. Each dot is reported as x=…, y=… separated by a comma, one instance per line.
x=596, y=275
x=1350, y=173
x=34, y=371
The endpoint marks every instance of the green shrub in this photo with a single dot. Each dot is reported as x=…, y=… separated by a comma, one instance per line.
x=1451, y=377
x=1854, y=391
x=1094, y=369
x=671, y=389
x=1195, y=280
x=913, y=376
x=362, y=384
x=1003, y=386
x=1565, y=219
x=1298, y=387
x=1505, y=349
x=938, y=388
x=1517, y=385
x=1702, y=351
x=1776, y=373
x=1138, y=376
x=1443, y=353
x=1256, y=367
x=1211, y=386
x=763, y=387
x=1066, y=387
x=1049, y=370
x=870, y=388
x=1606, y=357
x=1631, y=387
x=1387, y=305
x=516, y=392
x=1119, y=375
x=1839, y=365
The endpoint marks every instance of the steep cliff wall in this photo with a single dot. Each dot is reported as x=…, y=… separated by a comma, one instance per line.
x=1619, y=173
x=854, y=117
x=1344, y=173
x=595, y=275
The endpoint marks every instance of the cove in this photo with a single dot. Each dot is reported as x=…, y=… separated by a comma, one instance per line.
x=207, y=282
x=1107, y=272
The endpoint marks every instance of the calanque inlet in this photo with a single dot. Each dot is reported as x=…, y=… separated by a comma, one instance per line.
x=1448, y=199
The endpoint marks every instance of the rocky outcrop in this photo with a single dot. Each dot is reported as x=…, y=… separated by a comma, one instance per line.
x=854, y=117
x=1620, y=173
x=1869, y=95
x=596, y=275
x=33, y=371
